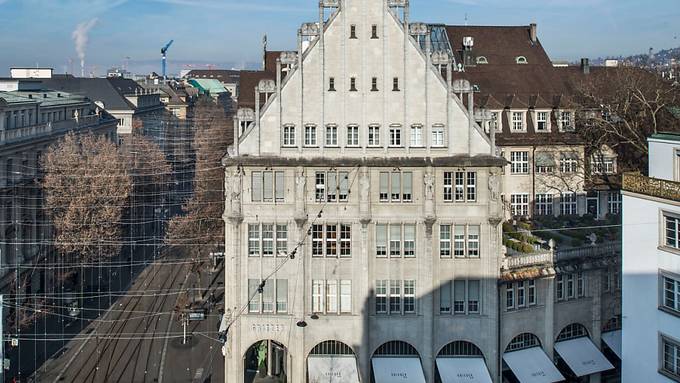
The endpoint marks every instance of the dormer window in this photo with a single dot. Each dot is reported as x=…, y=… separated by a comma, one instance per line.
x=542, y=121
x=482, y=60
x=517, y=121
x=374, y=31
x=566, y=121
x=352, y=31
x=521, y=60
x=353, y=84
x=374, y=84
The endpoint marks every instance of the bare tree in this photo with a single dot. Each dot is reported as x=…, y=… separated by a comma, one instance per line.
x=87, y=185
x=623, y=107
x=201, y=225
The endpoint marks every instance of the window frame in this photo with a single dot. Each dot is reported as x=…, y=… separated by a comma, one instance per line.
x=353, y=140
x=665, y=276
x=437, y=134
x=545, y=121
x=519, y=162
x=664, y=341
x=522, y=205
x=373, y=136
x=395, y=136
x=515, y=122
x=289, y=136
x=460, y=186
x=311, y=138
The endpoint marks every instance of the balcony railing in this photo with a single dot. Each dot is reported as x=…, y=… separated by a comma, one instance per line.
x=598, y=250
x=653, y=187
x=528, y=260
x=10, y=136
x=552, y=257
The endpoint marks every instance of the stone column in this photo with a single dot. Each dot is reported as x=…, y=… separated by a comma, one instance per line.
x=594, y=287
x=549, y=334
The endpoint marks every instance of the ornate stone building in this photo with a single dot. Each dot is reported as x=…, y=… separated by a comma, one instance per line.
x=363, y=212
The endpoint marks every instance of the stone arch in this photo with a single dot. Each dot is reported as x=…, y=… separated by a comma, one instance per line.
x=522, y=341
x=266, y=358
x=332, y=347
x=396, y=348
x=332, y=358
x=572, y=331
x=456, y=349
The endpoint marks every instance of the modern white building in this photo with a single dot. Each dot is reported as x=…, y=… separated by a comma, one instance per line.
x=651, y=266
x=363, y=223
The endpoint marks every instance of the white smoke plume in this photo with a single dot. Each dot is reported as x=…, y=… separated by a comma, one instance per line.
x=80, y=37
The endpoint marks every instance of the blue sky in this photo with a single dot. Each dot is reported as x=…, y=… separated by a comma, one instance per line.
x=229, y=32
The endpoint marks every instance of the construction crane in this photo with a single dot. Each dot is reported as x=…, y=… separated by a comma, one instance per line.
x=163, y=52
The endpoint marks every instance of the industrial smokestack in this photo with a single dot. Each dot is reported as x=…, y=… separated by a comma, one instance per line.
x=80, y=38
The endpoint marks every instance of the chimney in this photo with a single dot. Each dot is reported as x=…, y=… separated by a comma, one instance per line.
x=585, y=66
x=532, y=33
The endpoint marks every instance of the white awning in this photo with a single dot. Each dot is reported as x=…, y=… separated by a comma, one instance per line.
x=582, y=356
x=332, y=369
x=394, y=369
x=613, y=341
x=463, y=370
x=532, y=365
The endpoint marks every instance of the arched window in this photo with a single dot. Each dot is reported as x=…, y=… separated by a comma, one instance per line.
x=522, y=341
x=460, y=348
x=521, y=60
x=331, y=347
x=482, y=60
x=396, y=347
x=574, y=330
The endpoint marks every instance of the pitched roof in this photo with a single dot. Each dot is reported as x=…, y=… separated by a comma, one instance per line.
x=250, y=80
x=224, y=75
x=96, y=89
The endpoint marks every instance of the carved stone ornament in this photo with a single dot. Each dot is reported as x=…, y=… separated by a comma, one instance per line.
x=288, y=58
x=309, y=29
x=418, y=29
x=397, y=3
x=494, y=185
x=429, y=187
x=330, y=3
x=245, y=114
x=440, y=58
x=267, y=86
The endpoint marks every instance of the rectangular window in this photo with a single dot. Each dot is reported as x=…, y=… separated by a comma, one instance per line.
x=542, y=121
x=509, y=296
x=670, y=365
x=318, y=296
x=416, y=135
x=374, y=31
x=568, y=204
x=282, y=240
x=381, y=240
x=521, y=297
x=353, y=135
x=494, y=123
x=268, y=187
x=395, y=240
x=471, y=186
x=279, y=186
x=568, y=163
x=310, y=135
x=603, y=166
x=353, y=84
x=409, y=241
x=395, y=297
x=345, y=296
x=352, y=31
x=532, y=292
x=395, y=84
x=517, y=121
x=544, y=204
x=331, y=240
x=374, y=84
x=519, y=162
x=317, y=240
x=672, y=229
x=345, y=241
x=289, y=135
x=253, y=296
x=268, y=298
x=671, y=294
x=256, y=186
x=559, y=290
x=473, y=241
x=519, y=205
x=381, y=296
x=395, y=136
x=459, y=297
x=281, y=295
x=331, y=135
x=332, y=296
x=460, y=187
x=407, y=187
x=580, y=285
x=373, y=135
x=448, y=186
x=320, y=186
x=409, y=296
x=331, y=186
x=384, y=186
x=459, y=241
x=268, y=240
x=614, y=202
x=331, y=84
x=445, y=298
x=395, y=187
x=437, y=136
x=566, y=121
x=473, y=296
x=445, y=241
x=570, y=286
x=254, y=240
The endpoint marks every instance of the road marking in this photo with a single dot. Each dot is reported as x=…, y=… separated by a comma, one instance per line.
x=165, y=343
